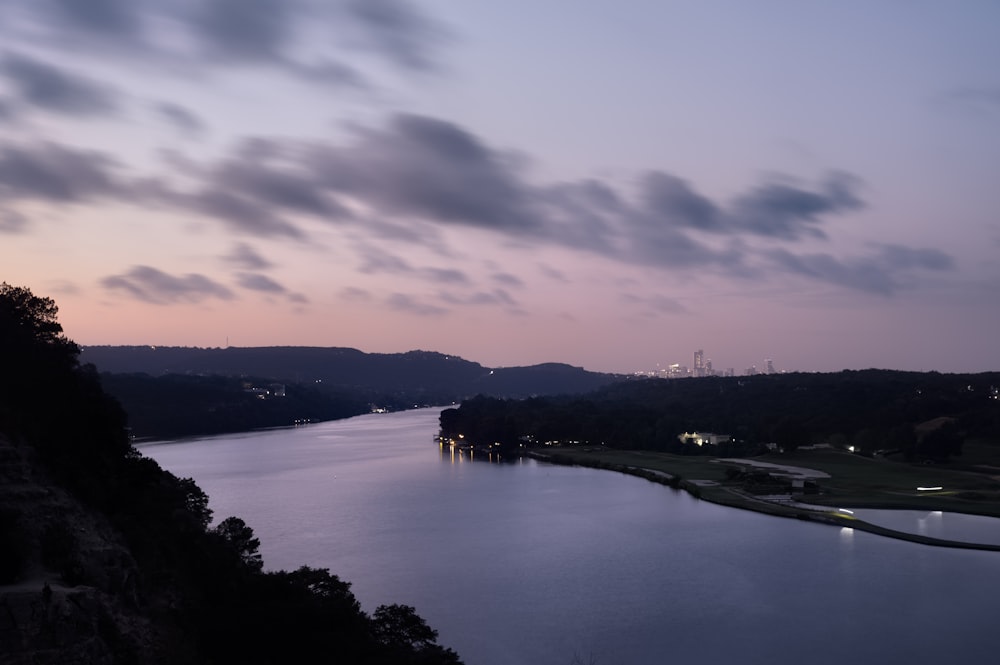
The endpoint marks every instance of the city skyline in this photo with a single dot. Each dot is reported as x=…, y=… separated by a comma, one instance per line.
x=511, y=183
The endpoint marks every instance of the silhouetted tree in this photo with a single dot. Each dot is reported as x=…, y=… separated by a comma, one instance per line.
x=240, y=537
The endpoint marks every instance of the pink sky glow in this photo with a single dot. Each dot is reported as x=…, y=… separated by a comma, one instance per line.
x=608, y=184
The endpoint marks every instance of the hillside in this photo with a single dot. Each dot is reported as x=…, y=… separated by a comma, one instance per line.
x=414, y=372
x=178, y=391
x=106, y=558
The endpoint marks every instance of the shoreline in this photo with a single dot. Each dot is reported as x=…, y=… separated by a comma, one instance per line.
x=726, y=496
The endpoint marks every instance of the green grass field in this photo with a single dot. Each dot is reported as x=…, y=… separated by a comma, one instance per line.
x=855, y=481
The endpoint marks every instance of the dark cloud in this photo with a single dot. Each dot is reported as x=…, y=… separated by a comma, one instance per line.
x=104, y=17
x=245, y=29
x=399, y=30
x=259, y=282
x=657, y=242
x=55, y=89
x=406, y=303
x=184, y=120
x=159, y=288
x=239, y=213
x=880, y=273
x=278, y=183
x=788, y=212
x=898, y=256
x=245, y=256
x=50, y=172
x=779, y=210
x=669, y=198
x=375, y=260
x=584, y=215
x=180, y=36
x=264, y=284
x=428, y=168
x=859, y=274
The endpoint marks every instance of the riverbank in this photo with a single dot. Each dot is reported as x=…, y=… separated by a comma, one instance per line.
x=874, y=487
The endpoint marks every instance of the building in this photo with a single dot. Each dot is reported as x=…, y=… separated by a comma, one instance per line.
x=704, y=438
x=699, y=363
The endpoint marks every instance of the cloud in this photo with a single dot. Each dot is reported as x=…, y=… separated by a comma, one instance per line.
x=50, y=172
x=55, y=89
x=444, y=275
x=586, y=215
x=898, y=256
x=182, y=119
x=376, y=260
x=273, y=181
x=308, y=39
x=403, y=302
x=494, y=297
x=244, y=29
x=159, y=288
x=259, y=282
x=245, y=256
x=12, y=221
x=7, y=111
x=264, y=284
x=507, y=279
x=430, y=169
x=859, y=274
x=787, y=212
x=878, y=273
x=399, y=30
x=553, y=273
x=672, y=200
x=239, y=213
x=102, y=17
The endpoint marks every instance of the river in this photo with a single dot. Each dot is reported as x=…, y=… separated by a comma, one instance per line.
x=526, y=563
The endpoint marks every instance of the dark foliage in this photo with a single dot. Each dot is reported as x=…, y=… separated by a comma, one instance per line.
x=204, y=585
x=176, y=405
x=875, y=410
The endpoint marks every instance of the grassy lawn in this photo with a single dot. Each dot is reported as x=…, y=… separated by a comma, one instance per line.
x=855, y=481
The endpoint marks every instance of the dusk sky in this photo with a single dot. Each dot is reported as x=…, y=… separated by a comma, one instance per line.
x=607, y=184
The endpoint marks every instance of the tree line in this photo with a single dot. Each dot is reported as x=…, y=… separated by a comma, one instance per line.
x=870, y=410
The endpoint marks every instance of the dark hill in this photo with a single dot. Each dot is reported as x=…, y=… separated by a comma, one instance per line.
x=445, y=377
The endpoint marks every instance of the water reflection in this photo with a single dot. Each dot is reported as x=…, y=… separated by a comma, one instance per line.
x=557, y=560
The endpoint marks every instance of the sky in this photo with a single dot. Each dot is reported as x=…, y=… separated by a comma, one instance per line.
x=609, y=184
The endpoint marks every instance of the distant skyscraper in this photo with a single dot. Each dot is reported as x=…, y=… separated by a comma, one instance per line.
x=699, y=362
x=770, y=365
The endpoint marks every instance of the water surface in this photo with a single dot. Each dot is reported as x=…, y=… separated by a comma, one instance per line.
x=529, y=563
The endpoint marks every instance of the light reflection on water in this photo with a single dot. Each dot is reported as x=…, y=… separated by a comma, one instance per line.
x=523, y=562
